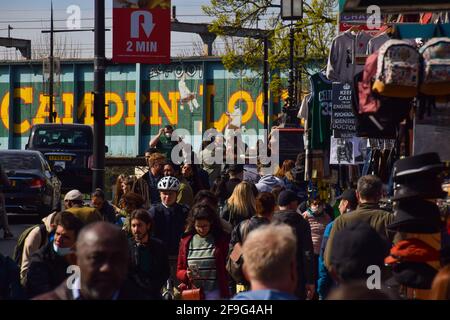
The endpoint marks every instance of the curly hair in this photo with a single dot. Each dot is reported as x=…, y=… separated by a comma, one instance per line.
x=204, y=212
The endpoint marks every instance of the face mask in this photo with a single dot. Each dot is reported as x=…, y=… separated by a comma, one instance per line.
x=168, y=135
x=61, y=251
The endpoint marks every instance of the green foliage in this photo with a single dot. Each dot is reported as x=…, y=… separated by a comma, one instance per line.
x=313, y=35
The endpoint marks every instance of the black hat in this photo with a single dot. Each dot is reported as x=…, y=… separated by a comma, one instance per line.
x=356, y=247
x=419, y=186
x=350, y=196
x=417, y=275
x=416, y=216
x=298, y=173
x=235, y=168
x=285, y=197
x=427, y=163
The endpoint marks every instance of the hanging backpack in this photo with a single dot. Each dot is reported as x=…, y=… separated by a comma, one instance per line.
x=436, y=67
x=397, y=70
x=368, y=103
x=235, y=260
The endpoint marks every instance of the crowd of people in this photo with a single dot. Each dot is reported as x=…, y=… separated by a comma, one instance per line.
x=228, y=230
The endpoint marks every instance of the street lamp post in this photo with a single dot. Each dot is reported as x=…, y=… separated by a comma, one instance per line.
x=291, y=10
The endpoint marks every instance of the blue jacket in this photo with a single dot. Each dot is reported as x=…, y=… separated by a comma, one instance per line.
x=324, y=282
x=264, y=295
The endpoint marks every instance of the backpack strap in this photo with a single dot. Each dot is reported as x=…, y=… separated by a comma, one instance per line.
x=44, y=234
x=243, y=229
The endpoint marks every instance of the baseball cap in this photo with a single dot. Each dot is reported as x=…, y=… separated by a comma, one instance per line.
x=349, y=195
x=285, y=197
x=73, y=195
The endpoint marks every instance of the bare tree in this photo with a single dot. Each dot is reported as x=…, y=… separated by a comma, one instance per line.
x=62, y=48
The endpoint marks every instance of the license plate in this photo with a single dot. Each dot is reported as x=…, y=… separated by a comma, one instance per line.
x=60, y=158
x=62, y=164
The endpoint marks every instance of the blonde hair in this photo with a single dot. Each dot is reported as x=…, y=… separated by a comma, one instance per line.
x=268, y=252
x=285, y=168
x=242, y=200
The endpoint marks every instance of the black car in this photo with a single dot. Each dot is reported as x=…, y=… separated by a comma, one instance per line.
x=34, y=187
x=68, y=148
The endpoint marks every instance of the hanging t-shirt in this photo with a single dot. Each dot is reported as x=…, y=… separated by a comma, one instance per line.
x=376, y=42
x=303, y=111
x=320, y=105
x=345, y=48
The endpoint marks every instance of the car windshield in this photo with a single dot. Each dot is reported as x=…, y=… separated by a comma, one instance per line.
x=19, y=161
x=49, y=138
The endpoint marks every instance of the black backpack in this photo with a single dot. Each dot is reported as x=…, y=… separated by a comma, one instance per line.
x=18, y=250
x=235, y=260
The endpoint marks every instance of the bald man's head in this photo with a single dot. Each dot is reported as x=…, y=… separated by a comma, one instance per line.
x=102, y=255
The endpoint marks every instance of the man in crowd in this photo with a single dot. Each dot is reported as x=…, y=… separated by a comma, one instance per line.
x=268, y=181
x=169, y=218
x=37, y=238
x=347, y=203
x=236, y=174
x=146, y=186
x=49, y=265
x=185, y=194
x=163, y=141
x=102, y=258
x=149, y=262
x=356, y=248
x=288, y=203
x=73, y=203
x=368, y=192
x=99, y=202
x=270, y=260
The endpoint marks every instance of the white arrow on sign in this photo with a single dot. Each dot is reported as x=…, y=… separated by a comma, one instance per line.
x=147, y=25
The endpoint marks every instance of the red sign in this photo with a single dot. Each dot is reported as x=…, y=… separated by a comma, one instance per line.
x=141, y=35
x=363, y=27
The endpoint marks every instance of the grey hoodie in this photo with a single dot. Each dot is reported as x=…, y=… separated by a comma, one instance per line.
x=268, y=182
x=342, y=66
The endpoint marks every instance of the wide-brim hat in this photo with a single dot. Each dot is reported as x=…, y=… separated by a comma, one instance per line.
x=416, y=216
x=412, y=274
x=419, y=187
x=427, y=163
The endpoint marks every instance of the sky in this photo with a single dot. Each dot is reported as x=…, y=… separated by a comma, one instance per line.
x=30, y=17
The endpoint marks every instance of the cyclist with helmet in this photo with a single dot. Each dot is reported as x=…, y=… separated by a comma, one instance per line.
x=169, y=218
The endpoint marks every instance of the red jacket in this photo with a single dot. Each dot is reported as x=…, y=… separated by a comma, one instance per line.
x=220, y=253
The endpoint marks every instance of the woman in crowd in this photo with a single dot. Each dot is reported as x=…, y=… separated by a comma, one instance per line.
x=241, y=204
x=318, y=219
x=123, y=185
x=130, y=201
x=285, y=170
x=202, y=254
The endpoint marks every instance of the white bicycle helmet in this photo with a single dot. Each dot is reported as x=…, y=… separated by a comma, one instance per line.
x=169, y=184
